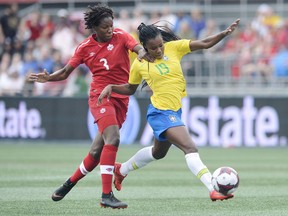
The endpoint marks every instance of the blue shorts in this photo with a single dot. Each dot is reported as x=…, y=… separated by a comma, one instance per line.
x=161, y=120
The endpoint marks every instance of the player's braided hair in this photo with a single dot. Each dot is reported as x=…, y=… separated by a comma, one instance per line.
x=95, y=14
x=148, y=32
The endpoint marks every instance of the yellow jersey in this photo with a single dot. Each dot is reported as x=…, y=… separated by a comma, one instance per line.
x=164, y=76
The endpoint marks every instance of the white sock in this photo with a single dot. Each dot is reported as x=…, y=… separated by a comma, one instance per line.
x=137, y=161
x=199, y=169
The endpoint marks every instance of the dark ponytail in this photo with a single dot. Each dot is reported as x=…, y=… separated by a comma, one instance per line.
x=147, y=32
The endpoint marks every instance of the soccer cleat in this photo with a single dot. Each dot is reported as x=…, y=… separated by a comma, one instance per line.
x=118, y=177
x=214, y=195
x=61, y=192
x=110, y=201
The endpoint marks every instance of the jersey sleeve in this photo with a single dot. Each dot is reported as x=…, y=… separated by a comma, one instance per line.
x=182, y=46
x=77, y=58
x=135, y=77
x=130, y=41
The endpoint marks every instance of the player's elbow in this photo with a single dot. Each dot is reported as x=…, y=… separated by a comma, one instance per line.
x=131, y=89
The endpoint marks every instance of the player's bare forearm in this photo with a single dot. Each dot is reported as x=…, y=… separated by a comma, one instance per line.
x=57, y=76
x=44, y=76
x=125, y=89
x=61, y=74
x=212, y=40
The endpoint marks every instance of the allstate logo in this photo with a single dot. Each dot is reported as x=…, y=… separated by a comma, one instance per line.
x=130, y=128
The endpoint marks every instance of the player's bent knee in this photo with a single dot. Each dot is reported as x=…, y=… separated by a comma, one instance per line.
x=113, y=141
x=159, y=155
x=95, y=153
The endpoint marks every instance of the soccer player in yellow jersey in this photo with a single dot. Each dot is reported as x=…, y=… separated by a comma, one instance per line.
x=165, y=78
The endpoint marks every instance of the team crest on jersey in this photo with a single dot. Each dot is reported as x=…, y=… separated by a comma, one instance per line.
x=172, y=118
x=103, y=110
x=110, y=47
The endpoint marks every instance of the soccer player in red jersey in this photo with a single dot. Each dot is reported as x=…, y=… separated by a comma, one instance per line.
x=106, y=55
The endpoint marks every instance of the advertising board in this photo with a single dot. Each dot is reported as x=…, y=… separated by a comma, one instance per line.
x=212, y=121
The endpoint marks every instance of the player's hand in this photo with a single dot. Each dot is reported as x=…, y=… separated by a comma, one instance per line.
x=40, y=77
x=107, y=91
x=142, y=54
x=232, y=27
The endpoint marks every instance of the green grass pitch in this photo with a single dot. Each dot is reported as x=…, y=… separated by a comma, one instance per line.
x=29, y=173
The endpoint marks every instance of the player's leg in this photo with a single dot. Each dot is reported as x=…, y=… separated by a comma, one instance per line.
x=113, y=114
x=181, y=138
x=147, y=154
x=139, y=160
x=90, y=161
x=107, y=161
x=87, y=165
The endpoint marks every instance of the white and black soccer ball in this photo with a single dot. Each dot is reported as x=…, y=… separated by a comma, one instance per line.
x=225, y=180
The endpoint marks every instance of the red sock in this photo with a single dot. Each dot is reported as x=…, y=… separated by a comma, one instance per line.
x=87, y=165
x=107, y=161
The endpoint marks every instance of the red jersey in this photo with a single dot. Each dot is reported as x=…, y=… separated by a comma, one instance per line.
x=108, y=62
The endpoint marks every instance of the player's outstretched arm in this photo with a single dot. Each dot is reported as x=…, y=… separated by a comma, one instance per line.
x=210, y=41
x=125, y=89
x=44, y=76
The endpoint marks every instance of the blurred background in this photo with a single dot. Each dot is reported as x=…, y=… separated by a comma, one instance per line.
x=237, y=90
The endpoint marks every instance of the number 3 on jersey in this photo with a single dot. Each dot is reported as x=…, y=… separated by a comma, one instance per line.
x=105, y=63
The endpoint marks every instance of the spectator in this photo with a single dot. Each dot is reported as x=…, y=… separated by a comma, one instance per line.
x=265, y=20
x=167, y=18
x=46, y=59
x=30, y=64
x=47, y=26
x=281, y=35
x=211, y=28
x=154, y=17
x=185, y=31
x=5, y=62
x=18, y=46
x=34, y=26
x=64, y=30
x=52, y=88
x=197, y=21
x=138, y=17
x=124, y=20
x=11, y=83
x=280, y=63
x=9, y=22
x=180, y=17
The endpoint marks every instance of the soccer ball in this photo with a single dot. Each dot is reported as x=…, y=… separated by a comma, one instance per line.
x=225, y=180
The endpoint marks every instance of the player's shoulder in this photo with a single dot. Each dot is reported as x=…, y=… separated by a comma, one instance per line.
x=182, y=44
x=117, y=32
x=85, y=43
x=139, y=64
x=176, y=42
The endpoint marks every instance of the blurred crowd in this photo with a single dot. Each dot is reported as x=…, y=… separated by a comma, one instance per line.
x=39, y=41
